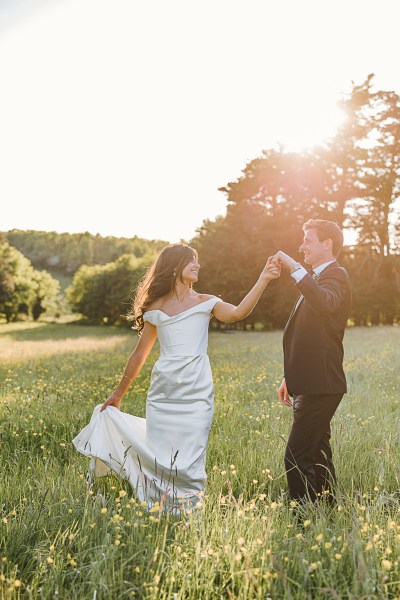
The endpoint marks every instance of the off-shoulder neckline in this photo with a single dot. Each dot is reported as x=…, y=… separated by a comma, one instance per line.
x=182, y=312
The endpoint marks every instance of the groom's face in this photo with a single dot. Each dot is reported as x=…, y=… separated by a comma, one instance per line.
x=315, y=252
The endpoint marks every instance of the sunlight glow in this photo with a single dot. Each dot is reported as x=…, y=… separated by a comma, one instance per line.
x=312, y=128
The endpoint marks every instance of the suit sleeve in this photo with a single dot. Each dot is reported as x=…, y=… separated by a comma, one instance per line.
x=326, y=294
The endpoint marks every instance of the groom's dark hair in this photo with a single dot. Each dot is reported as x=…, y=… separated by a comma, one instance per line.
x=327, y=230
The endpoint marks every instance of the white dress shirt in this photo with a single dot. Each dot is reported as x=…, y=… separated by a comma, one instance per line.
x=300, y=273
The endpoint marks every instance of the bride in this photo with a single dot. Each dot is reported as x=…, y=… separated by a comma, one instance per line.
x=163, y=456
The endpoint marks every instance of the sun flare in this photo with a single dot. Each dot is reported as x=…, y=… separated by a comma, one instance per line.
x=310, y=125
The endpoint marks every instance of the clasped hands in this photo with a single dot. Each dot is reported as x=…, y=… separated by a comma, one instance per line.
x=277, y=261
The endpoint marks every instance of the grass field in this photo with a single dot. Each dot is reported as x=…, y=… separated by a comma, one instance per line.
x=57, y=541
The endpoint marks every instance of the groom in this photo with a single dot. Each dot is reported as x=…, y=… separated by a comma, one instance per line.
x=313, y=359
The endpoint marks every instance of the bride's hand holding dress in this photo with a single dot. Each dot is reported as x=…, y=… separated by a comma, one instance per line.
x=114, y=400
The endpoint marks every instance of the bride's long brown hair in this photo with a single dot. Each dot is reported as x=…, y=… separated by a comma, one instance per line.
x=160, y=279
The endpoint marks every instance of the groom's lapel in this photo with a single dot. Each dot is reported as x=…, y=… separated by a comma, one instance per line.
x=297, y=303
x=295, y=307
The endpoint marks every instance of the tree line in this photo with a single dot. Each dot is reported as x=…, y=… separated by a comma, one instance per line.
x=32, y=261
x=66, y=252
x=352, y=179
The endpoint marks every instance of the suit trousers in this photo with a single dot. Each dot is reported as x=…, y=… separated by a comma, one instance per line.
x=308, y=457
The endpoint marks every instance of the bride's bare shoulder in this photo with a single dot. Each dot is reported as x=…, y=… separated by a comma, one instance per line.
x=156, y=305
x=204, y=297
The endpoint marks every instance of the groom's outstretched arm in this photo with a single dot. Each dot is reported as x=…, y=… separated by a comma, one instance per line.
x=326, y=294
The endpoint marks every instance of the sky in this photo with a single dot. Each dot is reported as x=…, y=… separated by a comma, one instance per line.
x=124, y=118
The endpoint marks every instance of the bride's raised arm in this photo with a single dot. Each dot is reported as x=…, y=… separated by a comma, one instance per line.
x=228, y=313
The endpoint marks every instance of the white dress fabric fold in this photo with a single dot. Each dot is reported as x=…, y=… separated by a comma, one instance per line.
x=162, y=456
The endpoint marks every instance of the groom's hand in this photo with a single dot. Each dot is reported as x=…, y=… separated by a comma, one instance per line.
x=283, y=394
x=286, y=261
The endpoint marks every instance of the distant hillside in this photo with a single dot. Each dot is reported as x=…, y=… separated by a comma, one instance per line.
x=64, y=253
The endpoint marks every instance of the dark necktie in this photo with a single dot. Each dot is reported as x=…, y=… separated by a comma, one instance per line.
x=314, y=276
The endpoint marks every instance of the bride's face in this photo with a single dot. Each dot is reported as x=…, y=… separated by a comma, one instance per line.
x=190, y=272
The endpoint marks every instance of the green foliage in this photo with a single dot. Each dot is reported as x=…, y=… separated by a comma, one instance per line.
x=16, y=294
x=59, y=540
x=22, y=289
x=376, y=285
x=47, y=294
x=102, y=293
x=378, y=174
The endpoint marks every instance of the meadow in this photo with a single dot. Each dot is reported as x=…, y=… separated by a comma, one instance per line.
x=60, y=540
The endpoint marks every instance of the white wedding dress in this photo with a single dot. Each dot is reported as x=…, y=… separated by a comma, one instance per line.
x=162, y=456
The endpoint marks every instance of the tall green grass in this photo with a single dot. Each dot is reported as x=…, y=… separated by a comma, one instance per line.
x=59, y=541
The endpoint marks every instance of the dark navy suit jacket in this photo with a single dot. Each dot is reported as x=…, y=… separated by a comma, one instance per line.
x=313, y=337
